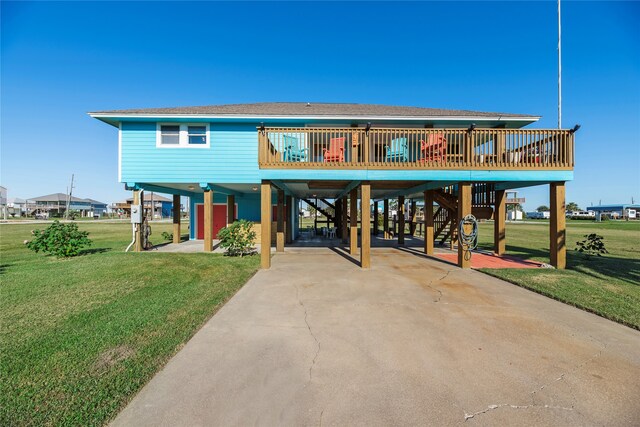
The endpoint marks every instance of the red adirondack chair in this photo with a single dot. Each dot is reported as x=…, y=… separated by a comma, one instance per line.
x=335, y=152
x=434, y=149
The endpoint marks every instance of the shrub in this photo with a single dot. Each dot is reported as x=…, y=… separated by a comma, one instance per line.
x=167, y=236
x=592, y=245
x=61, y=240
x=238, y=238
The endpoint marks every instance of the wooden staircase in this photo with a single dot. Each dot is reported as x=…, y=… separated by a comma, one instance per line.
x=446, y=215
x=324, y=207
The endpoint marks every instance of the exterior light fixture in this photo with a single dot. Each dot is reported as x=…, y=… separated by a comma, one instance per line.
x=575, y=129
x=191, y=187
x=254, y=188
x=471, y=128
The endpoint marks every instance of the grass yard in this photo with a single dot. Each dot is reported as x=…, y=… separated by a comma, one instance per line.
x=81, y=336
x=607, y=285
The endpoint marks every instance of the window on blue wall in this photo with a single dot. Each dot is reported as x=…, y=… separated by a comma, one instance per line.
x=197, y=134
x=170, y=134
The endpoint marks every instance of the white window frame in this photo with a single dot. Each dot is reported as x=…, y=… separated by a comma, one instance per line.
x=183, y=136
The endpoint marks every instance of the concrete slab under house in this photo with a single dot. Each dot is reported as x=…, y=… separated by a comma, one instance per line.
x=261, y=162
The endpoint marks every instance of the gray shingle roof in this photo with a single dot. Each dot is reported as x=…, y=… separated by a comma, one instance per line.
x=55, y=197
x=304, y=109
x=62, y=198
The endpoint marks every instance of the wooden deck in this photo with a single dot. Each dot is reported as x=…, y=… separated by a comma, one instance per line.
x=416, y=148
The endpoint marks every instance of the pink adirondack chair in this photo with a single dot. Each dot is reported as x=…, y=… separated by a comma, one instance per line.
x=335, y=152
x=434, y=149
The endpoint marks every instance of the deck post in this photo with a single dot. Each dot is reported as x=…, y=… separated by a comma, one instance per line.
x=288, y=234
x=138, y=199
x=344, y=227
x=385, y=219
x=176, y=218
x=499, y=229
x=337, y=220
x=208, y=220
x=353, y=214
x=365, y=227
x=428, y=222
x=401, y=220
x=375, y=216
x=412, y=218
x=231, y=209
x=280, y=222
x=557, y=225
x=265, y=224
x=464, y=209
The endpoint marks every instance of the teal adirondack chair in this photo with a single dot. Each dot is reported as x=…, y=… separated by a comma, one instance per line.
x=292, y=150
x=397, y=151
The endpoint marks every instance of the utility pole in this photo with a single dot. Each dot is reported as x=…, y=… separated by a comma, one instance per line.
x=66, y=212
x=559, y=68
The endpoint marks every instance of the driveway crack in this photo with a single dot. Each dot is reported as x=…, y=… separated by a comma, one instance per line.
x=436, y=289
x=313, y=362
x=532, y=394
x=508, y=405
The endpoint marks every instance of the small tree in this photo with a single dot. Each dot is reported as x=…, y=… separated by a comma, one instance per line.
x=542, y=208
x=592, y=245
x=238, y=238
x=73, y=214
x=573, y=206
x=61, y=240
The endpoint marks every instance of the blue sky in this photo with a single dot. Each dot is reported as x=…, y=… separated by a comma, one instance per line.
x=60, y=60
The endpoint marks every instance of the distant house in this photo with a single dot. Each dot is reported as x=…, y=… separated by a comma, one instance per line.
x=159, y=205
x=617, y=211
x=16, y=206
x=55, y=205
x=3, y=202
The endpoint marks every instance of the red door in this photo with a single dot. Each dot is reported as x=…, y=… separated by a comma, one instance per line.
x=219, y=219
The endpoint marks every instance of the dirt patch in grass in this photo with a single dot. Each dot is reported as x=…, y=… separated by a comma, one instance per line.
x=112, y=356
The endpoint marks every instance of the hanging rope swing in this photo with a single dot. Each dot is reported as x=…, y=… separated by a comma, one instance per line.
x=468, y=240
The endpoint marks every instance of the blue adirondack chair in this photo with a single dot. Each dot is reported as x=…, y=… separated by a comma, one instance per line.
x=397, y=151
x=292, y=150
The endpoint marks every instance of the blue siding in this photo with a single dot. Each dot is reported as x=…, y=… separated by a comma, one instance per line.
x=231, y=158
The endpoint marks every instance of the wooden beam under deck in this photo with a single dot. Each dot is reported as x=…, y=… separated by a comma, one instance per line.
x=428, y=222
x=138, y=199
x=208, y=220
x=499, y=228
x=176, y=218
x=280, y=222
x=353, y=217
x=265, y=224
x=464, y=209
x=365, y=228
x=557, y=226
x=401, y=220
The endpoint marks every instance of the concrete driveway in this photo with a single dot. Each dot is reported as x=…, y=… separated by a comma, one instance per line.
x=412, y=341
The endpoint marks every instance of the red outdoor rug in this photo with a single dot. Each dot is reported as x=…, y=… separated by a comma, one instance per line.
x=483, y=260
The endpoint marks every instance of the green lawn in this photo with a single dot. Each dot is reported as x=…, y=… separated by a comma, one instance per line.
x=81, y=336
x=607, y=285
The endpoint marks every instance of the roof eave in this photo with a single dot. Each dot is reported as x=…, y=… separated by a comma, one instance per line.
x=113, y=118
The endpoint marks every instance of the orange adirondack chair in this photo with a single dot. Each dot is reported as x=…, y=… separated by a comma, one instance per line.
x=434, y=149
x=335, y=152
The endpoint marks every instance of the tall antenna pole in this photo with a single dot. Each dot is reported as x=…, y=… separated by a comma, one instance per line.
x=66, y=211
x=559, y=68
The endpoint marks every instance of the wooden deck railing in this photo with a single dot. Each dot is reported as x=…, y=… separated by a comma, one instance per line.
x=415, y=148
